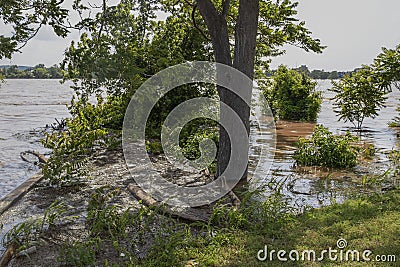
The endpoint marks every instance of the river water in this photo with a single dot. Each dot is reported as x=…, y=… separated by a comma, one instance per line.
x=26, y=106
x=316, y=187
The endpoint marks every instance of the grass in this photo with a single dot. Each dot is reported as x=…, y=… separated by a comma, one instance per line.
x=116, y=236
x=368, y=223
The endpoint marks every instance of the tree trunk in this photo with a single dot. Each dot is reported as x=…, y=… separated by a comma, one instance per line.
x=244, y=57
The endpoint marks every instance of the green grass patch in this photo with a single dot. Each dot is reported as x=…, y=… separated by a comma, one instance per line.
x=368, y=223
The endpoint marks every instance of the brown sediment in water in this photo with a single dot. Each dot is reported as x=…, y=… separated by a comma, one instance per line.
x=288, y=133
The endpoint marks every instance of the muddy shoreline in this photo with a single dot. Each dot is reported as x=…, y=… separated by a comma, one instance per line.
x=108, y=172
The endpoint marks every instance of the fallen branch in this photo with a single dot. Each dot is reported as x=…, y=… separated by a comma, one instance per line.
x=190, y=214
x=41, y=158
x=299, y=193
x=8, y=254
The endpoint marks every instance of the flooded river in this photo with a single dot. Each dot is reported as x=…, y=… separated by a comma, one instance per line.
x=318, y=187
x=26, y=106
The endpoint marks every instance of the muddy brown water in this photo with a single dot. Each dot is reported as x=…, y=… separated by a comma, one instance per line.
x=26, y=106
x=316, y=187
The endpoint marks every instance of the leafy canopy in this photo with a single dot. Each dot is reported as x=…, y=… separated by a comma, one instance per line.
x=25, y=18
x=123, y=45
x=292, y=96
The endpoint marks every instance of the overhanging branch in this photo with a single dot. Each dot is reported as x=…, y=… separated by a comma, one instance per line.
x=225, y=8
x=195, y=23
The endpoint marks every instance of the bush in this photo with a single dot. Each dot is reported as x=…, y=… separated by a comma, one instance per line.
x=291, y=95
x=91, y=126
x=358, y=96
x=326, y=149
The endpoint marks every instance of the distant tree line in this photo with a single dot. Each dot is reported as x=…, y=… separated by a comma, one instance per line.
x=321, y=74
x=37, y=72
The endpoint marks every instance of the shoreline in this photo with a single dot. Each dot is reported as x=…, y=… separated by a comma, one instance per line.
x=110, y=178
x=16, y=194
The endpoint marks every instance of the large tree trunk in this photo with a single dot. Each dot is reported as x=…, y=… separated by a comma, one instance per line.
x=244, y=57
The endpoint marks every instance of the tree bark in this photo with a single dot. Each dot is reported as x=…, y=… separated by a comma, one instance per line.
x=244, y=58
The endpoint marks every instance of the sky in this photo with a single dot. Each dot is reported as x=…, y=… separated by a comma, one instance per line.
x=354, y=31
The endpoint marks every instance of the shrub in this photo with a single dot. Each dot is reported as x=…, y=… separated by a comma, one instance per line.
x=358, y=97
x=90, y=126
x=292, y=96
x=326, y=149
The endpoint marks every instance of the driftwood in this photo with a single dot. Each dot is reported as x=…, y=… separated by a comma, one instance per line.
x=13, y=197
x=11, y=253
x=8, y=254
x=190, y=214
x=41, y=158
x=299, y=193
x=58, y=125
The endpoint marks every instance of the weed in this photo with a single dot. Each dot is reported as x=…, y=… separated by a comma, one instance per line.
x=27, y=234
x=326, y=149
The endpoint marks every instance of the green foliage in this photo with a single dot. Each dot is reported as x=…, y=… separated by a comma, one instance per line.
x=279, y=26
x=27, y=17
x=291, y=95
x=358, y=96
x=28, y=233
x=125, y=44
x=190, y=140
x=254, y=215
x=37, y=72
x=323, y=75
x=154, y=147
x=394, y=158
x=91, y=126
x=387, y=67
x=106, y=220
x=326, y=149
x=81, y=254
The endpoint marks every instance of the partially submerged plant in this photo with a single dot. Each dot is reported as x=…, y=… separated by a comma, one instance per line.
x=358, y=96
x=292, y=95
x=325, y=149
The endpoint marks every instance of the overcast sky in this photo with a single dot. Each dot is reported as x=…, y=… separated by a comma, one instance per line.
x=353, y=30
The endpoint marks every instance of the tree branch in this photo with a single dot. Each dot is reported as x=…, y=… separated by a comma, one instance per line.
x=102, y=23
x=218, y=30
x=195, y=23
x=225, y=8
x=30, y=37
x=187, y=2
